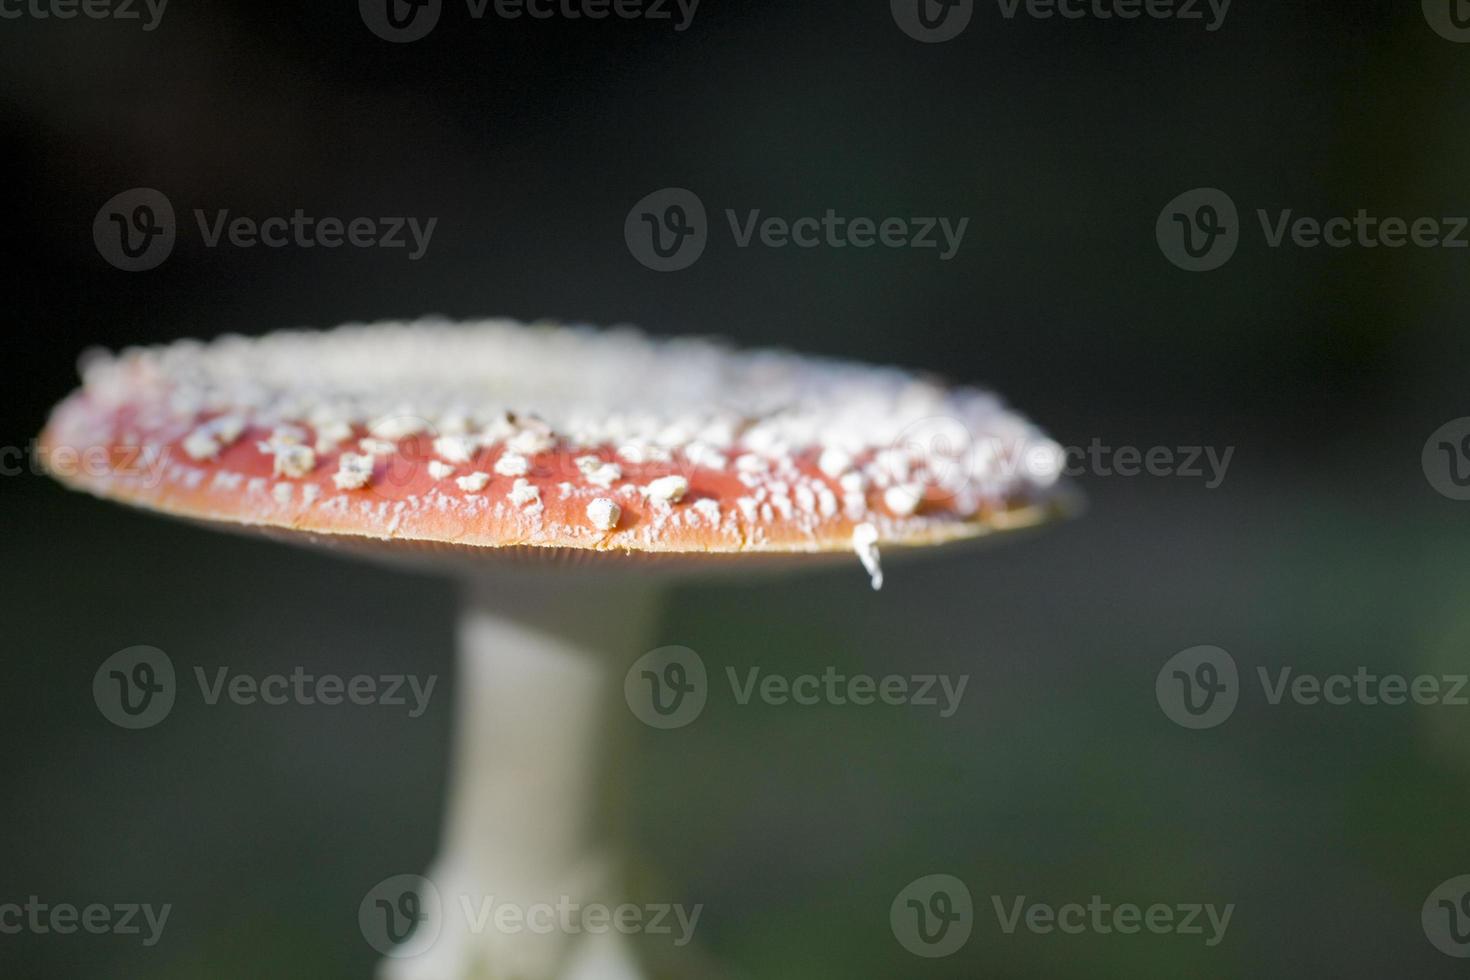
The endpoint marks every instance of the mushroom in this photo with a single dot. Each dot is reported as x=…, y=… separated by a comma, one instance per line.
x=481, y=446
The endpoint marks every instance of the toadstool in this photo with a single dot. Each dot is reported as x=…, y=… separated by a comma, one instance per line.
x=478, y=446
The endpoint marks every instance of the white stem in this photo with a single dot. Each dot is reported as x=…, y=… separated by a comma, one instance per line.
x=531, y=818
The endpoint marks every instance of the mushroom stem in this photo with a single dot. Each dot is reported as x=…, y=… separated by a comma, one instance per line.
x=531, y=821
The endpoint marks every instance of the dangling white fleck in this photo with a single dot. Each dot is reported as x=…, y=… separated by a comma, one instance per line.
x=474, y=483
x=604, y=513
x=353, y=471
x=865, y=543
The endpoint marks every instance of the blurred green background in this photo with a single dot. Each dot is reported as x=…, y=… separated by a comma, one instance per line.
x=1325, y=548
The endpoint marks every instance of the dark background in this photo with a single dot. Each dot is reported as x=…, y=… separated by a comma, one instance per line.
x=1325, y=549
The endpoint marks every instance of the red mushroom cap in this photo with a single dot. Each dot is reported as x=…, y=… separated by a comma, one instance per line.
x=495, y=435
